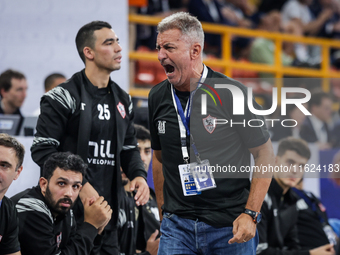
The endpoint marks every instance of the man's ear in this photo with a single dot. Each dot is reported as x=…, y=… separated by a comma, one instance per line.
x=195, y=51
x=2, y=92
x=18, y=173
x=88, y=52
x=43, y=185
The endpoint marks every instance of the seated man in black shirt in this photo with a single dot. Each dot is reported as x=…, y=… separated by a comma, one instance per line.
x=46, y=222
x=149, y=210
x=278, y=231
x=313, y=227
x=11, y=158
x=139, y=226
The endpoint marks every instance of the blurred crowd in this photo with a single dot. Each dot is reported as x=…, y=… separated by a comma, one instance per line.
x=317, y=18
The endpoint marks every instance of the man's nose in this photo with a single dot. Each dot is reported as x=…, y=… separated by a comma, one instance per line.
x=143, y=156
x=161, y=54
x=69, y=191
x=118, y=48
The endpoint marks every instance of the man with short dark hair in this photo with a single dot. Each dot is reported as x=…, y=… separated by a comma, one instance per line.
x=144, y=144
x=11, y=157
x=46, y=221
x=139, y=226
x=278, y=231
x=315, y=128
x=92, y=116
x=13, y=88
x=53, y=80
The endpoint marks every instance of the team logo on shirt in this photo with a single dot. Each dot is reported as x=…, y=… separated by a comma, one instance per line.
x=209, y=124
x=161, y=126
x=59, y=237
x=121, y=109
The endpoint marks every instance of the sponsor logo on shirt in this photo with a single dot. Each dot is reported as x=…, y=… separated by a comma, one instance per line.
x=209, y=123
x=161, y=126
x=121, y=109
x=102, y=153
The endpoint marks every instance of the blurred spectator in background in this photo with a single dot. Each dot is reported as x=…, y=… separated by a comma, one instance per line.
x=211, y=11
x=262, y=49
x=315, y=128
x=13, y=88
x=270, y=5
x=238, y=11
x=336, y=136
x=279, y=132
x=335, y=133
x=299, y=12
x=223, y=12
x=335, y=176
x=146, y=35
x=53, y=80
x=331, y=28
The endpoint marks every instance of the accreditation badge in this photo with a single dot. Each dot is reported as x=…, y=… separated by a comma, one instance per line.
x=202, y=175
x=187, y=180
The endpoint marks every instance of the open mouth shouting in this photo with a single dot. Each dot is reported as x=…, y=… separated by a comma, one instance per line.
x=169, y=69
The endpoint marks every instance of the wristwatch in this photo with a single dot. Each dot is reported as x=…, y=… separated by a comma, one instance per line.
x=255, y=215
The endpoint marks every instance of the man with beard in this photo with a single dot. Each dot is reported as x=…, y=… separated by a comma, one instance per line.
x=46, y=221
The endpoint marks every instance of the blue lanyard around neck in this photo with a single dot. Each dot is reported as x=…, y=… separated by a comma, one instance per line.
x=185, y=120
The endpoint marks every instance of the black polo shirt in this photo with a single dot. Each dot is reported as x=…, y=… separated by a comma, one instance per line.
x=9, y=230
x=226, y=145
x=310, y=222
